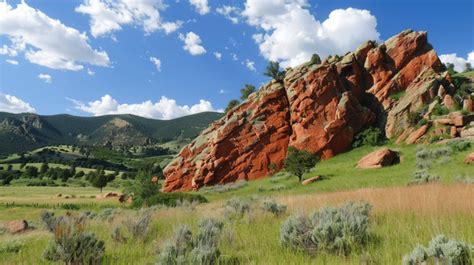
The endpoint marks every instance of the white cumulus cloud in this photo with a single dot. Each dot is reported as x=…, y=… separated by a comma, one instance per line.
x=218, y=55
x=9, y=103
x=250, y=65
x=164, y=109
x=232, y=13
x=108, y=16
x=291, y=34
x=46, y=41
x=156, y=62
x=458, y=62
x=201, y=6
x=46, y=78
x=11, y=61
x=192, y=43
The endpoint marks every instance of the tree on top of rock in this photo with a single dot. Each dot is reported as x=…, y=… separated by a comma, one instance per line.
x=232, y=104
x=299, y=162
x=246, y=91
x=273, y=71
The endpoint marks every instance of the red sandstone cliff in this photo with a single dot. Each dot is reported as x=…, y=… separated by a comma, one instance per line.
x=319, y=108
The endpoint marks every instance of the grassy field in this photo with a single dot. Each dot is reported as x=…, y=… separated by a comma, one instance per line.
x=402, y=216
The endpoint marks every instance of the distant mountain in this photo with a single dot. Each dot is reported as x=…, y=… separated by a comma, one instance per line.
x=26, y=131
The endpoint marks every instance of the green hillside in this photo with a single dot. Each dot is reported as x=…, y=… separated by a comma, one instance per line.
x=26, y=131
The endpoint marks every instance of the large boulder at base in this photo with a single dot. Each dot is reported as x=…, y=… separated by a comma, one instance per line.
x=381, y=158
x=318, y=108
x=469, y=159
x=16, y=226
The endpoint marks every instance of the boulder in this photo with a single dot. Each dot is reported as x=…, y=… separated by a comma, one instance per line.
x=404, y=135
x=311, y=180
x=17, y=226
x=467, y=133
x=453, y=132
x=380, y=158
x=468, y=105
x=414, y=136
x=449, y=102
x=462, y=120
x=469, y=159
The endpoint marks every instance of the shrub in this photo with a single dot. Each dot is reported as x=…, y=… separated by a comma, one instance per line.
x=274, y=208
x=295, y=233
x=232, y=104
x=443, y=250
x=237, y=207
x=439, y=110
x=13, y=246
x=72, y=244
x=423, y=177
x=315, y=59
x=206, y=249
x=371, y=137
x=107, y=214
x=70, y=206
x=330, y=229
x=168, y=199
x=49, y=220
x=459, y=145
x=203, y=249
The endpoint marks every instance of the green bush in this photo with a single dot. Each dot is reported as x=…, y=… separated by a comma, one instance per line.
x=132, y=229
x=237, y=207
x=70, y=206
x=336, y=230
x=201, y=250
x=442, y=250
x=274, y=208
x=371, y=137
x=459, y=145
x=439, y=110
x=13, y=246
x=71, y=243
x=168, y=199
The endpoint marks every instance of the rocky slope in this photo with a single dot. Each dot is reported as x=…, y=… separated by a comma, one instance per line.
x=319, y=108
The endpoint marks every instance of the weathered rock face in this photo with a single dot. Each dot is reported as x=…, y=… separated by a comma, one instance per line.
x=241, y=146
x=318, y=107
x=380, y=158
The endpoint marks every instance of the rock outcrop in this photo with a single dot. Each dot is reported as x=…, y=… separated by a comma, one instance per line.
x=381, y=158
x=318, y=108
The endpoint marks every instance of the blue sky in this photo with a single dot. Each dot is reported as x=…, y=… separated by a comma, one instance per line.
x=95, y=57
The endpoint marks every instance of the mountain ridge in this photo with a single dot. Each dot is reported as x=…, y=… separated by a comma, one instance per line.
x=27, y=131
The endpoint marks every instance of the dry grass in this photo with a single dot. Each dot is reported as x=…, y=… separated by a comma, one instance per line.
x=439, y=199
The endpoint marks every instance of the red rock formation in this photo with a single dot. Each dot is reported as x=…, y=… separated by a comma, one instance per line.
x=319, y=108
x=414, y=136
x=240, y=146
x=468, y=105
x=380, y=158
